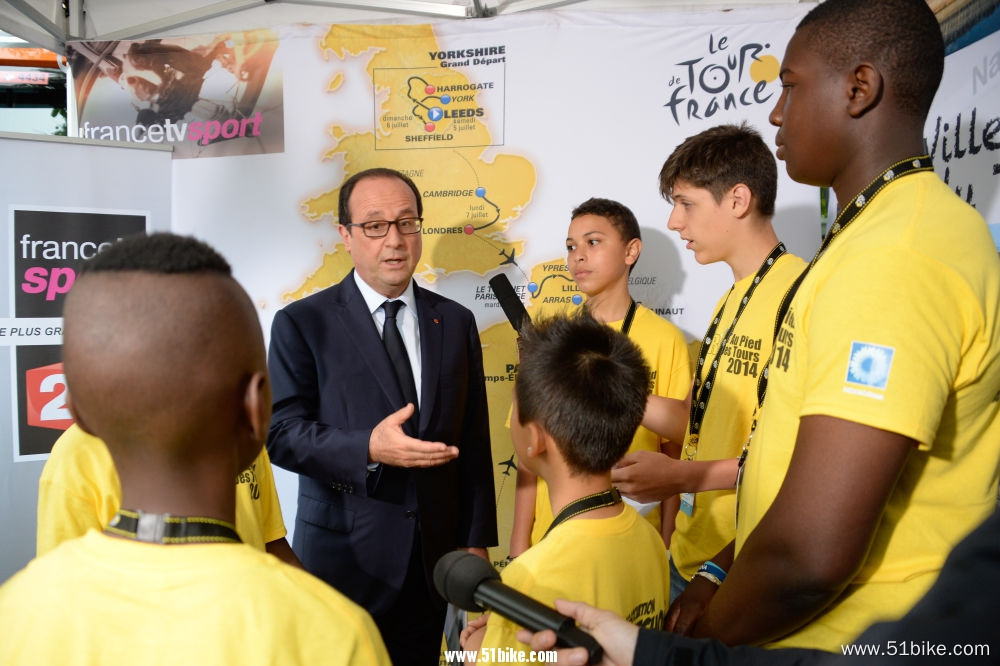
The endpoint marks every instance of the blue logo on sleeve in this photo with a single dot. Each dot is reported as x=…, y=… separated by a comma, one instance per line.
x=869, y=364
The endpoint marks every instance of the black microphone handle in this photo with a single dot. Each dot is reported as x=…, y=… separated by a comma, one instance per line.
x=535, y=616
x=509, y=302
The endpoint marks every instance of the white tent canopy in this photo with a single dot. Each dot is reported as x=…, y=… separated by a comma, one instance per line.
x=52, y=23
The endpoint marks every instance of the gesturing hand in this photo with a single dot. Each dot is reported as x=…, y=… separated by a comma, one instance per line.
x=390, y=445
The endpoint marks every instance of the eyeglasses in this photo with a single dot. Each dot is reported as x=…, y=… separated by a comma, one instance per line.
x=380, y=228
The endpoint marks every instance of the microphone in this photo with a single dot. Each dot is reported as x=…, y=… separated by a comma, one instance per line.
x=469, y=582
x=511, y=304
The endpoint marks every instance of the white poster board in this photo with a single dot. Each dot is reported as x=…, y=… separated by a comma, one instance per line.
x=54, y=184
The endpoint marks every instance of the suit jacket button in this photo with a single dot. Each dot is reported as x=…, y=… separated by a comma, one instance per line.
x=411, y=514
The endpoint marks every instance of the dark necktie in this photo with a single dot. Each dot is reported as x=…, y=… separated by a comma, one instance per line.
x=393, y=341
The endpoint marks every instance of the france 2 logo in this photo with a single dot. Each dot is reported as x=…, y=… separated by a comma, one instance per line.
x=45, y=388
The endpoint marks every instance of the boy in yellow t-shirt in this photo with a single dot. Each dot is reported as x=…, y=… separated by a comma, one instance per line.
x=570, y=434
x=603, y=244
x=722, y=183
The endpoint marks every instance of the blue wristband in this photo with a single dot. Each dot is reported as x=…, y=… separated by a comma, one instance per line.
x=714, y=569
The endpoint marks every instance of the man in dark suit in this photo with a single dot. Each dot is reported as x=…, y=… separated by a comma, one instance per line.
x=389, y=431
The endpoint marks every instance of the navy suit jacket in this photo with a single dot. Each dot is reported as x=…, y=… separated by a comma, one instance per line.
x=332, y=383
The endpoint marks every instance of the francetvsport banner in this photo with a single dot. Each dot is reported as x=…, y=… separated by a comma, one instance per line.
x=211, y=96
x=48, y=245
x=505, y=124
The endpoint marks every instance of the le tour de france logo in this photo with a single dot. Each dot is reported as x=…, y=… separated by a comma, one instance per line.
x=728, y=75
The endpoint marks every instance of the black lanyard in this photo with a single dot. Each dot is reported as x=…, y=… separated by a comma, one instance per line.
x=703, y=390
x=629, y=316
x=847, y=214
x=167, y=529
x=585, y=504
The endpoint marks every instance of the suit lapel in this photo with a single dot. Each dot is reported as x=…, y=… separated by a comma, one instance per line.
x=431, y=339
x=357, y=321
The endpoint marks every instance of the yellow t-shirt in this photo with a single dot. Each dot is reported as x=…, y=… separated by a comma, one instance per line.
x=617, y=563
x=665, y=349
x=726, y=423
x=105, y=600
x=79, y=490
x=895, y=327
